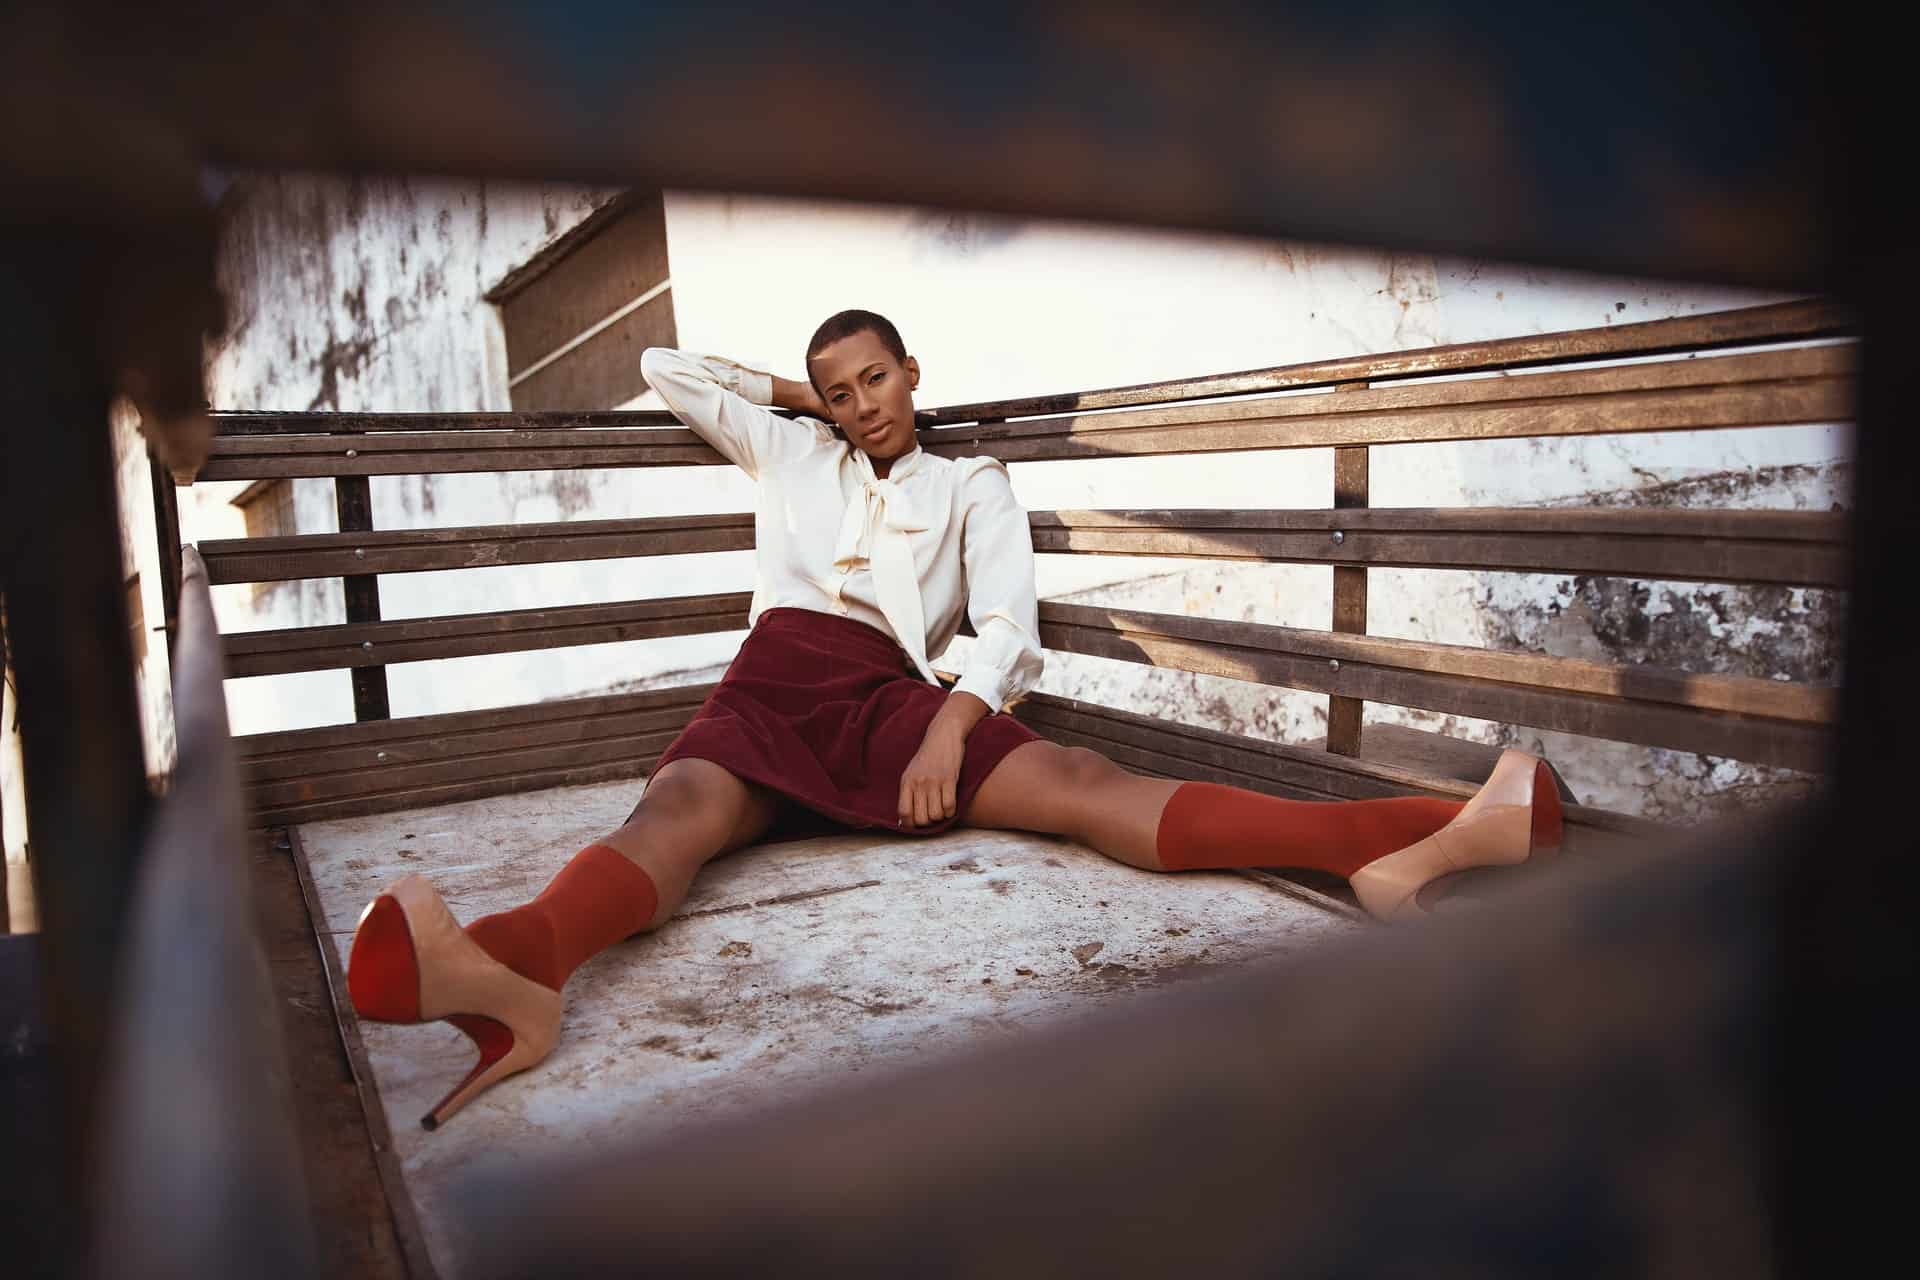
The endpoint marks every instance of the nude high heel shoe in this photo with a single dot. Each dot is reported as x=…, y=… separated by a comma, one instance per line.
x=1515, y=815
x=412, y=962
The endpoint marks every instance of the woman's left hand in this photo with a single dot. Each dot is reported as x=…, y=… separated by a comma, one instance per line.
x=930, y=784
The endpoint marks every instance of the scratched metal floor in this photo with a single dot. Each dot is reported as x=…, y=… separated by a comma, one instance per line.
x=789, y=966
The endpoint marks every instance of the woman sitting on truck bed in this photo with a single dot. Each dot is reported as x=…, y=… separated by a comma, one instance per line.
x=869, y=552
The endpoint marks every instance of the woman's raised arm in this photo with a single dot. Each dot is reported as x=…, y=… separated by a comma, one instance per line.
x=723, y=403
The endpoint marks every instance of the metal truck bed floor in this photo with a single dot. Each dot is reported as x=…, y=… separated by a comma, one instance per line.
x=789, y=966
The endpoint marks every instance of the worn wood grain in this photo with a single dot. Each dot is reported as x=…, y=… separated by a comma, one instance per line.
x=253, y=653
x=1802, y=385
x=1345, y=715
x=326, y=555
x=353, y=1221
x=1774, y=387
x=1746, y=719
x=1776, y=322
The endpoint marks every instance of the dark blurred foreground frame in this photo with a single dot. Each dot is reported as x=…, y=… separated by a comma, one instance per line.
x=1698, y=1066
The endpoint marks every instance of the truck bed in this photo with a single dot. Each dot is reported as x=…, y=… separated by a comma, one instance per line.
x=788, y=967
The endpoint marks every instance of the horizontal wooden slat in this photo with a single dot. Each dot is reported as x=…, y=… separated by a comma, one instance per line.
x=1148, y=744
x=1765, y=721
x=229, y=423
x=302, y=775
x=1786, y=547
x=258, y=653
x=428, y=452
x=328, y=555
x=256, y=747
x=1789, y=547
x=309, y=765
x=1775, y=322
x=1767, y=388
x=1770, y=388
x=465, y=768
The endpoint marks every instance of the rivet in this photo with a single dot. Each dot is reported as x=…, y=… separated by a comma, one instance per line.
x=1333, y=664
x=359, y=553
x=353, y=453
x=380, y=755
x=1339, y=536
x=366, y=646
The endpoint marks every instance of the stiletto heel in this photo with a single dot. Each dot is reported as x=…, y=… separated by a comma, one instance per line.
x=412, y=962
x=1515, y=815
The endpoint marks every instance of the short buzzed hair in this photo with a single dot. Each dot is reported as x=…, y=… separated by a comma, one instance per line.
x=847, y=323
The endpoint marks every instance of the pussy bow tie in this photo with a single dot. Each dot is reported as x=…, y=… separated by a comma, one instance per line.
x=874, y=529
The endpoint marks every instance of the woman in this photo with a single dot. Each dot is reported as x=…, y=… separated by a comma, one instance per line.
x=869, y=550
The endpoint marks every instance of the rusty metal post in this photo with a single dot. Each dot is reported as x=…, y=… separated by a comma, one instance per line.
x=166, y=532
x=1349, y=589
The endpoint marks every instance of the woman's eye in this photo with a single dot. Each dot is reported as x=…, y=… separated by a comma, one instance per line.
x=876, y=377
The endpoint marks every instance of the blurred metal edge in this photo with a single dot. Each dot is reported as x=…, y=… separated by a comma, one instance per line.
x=199, y=1172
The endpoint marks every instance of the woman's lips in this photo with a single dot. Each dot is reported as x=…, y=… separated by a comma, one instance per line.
x=871, y=432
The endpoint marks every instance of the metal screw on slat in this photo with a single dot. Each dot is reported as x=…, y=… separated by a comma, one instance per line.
x=366, y=646
x=1333, y=664
x=379, y=755
x=359, y=553
x=1339, y=537
x=353, y=453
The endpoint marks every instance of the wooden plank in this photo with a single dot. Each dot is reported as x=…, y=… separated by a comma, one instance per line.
x=325, y=555
x=1791, y=547
x=353, y=1218
x=263, y=746
x=1781, y=547
x=397, y=1211
x=391, y=776
x=444, y=453
x=1773, y=388
x=1344, y=715
x=1774, y=322
x=1746, y=719
x=427, y=797
x=255, y=653
x=354, y=505
x=1800, y=385
x=369, y=758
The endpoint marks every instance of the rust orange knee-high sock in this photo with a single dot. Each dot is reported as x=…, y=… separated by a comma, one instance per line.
x=1206, y=824
x=598, y=898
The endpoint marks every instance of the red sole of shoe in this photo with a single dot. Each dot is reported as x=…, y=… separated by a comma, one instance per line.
x=1548, y=823
x=383, y=976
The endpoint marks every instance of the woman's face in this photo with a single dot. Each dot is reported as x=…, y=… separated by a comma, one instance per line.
x=868, y=394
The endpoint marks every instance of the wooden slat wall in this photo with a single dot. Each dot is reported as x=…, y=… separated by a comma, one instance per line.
x=259, y=653
x=1767, y=388
x=307, y=775
x=1764, y=721
x=1793, y=548
x=372, y=767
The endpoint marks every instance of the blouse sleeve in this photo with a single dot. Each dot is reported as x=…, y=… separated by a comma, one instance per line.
x=996, y=545
x=721, y=402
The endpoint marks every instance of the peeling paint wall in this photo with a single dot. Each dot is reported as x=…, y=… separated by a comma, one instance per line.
x=369, y=296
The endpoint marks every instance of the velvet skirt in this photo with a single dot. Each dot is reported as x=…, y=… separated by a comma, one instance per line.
x=828, y=712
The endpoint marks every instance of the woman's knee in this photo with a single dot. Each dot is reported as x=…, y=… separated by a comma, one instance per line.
x=702, y=802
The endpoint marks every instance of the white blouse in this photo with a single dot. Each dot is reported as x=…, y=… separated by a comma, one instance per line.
x=907, y=554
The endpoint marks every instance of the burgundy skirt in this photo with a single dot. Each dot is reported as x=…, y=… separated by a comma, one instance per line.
x=828, y=711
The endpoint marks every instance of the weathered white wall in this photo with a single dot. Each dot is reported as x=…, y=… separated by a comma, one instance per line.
x=368, y=296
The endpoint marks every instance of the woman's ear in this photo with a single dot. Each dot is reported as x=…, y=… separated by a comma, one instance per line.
x=913, y=373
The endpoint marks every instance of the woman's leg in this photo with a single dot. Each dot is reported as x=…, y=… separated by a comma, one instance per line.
x=632, y=879
x=1163, y=825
